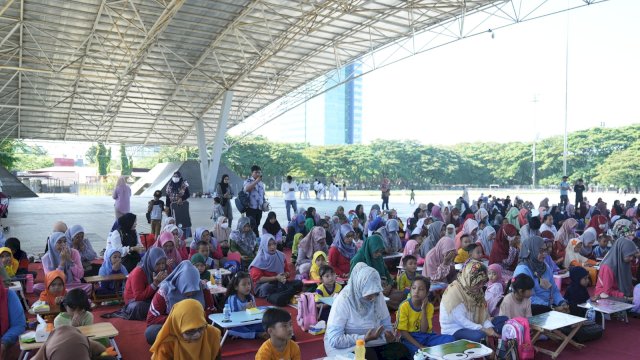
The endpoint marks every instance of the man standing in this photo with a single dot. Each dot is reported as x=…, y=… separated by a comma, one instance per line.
x=579, y=188
x=255, y=188
x=289, y=190
x=385, y=188
x=564, y=192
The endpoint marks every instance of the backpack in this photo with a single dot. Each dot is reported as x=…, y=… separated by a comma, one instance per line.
x=518, y=329
x=307, y=314
x=242, y=201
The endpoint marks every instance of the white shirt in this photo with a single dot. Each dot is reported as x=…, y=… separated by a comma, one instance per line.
x=289, y=190
x=544, y=227
x=458, y=319
x=114, y=241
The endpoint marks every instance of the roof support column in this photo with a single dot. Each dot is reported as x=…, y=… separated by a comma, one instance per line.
x=219, y=141
x=202, y=151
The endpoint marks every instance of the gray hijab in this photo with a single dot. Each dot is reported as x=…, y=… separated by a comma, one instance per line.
x=614, y=259
x=529, y=255
x=432, y=237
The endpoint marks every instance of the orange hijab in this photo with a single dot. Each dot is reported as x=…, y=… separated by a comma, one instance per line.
x=45, y=296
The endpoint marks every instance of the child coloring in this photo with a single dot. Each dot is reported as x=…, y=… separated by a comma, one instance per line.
x=278, y=324
x=327, y=288
x=77, y=310
x=517, y=303
x=239, y=298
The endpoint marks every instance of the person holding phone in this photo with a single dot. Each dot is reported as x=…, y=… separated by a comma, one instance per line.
x=289, y=190
x=254, y=186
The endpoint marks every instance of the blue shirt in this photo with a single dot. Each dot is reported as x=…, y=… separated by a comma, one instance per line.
x=17, y=321
x=564, y=188
x=541, y=296
x=256, y=196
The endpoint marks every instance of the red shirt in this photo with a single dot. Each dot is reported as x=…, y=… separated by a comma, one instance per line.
x=256, y=274
x=607, y=283
x=340, y=264
x=137, y=288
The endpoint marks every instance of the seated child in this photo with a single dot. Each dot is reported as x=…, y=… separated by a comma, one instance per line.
x=327, y=288
x=495, y=289
x=204, y=250
x=7, y=261
x=21, y=256
x=599, y=251
x=112, y=265
x=518, y=302
x=415, y=319
x=319, y=259
x=406, y=277
x=464, y=252
x=200, y=263
x=475, y=252
x=280, y=331
x=77, y=310
x=239, y=298
x=54, y=290
x=577, y=292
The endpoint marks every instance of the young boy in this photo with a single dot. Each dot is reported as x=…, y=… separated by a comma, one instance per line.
x=464, y=252
x=475, y=252
x=277, y=323
x=204, y=250
x=154, y=213
x=406, y=277
x=412, y=199
x=217, y=210
x=328, y=287
x=602, y=248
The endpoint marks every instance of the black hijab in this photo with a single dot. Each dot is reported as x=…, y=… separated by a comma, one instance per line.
x=128, y=237
x=274, y=228
x=223, y=190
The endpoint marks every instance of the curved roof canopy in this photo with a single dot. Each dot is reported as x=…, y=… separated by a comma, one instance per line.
x=143, y=71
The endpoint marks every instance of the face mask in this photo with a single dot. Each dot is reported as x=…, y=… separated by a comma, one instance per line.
x=224, y=225
x=602, y=226
x=455, y=217
x=175, y=179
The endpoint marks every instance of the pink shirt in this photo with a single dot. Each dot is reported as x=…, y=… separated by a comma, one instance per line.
x=607, y=282
x=76, y=269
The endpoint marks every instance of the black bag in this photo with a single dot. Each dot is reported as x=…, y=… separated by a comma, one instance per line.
x=589, y=331
x=242, y=201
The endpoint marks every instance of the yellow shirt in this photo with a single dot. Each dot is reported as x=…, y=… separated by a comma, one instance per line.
x=322, y=292
x=403, y=281
x=409, y=318
x=463, y=255
x=268, y=352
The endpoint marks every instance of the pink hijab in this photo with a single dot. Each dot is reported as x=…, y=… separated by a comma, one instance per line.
x=435, y=256
x=411, y=248
x=467, y=228
x=173, y=254
x=498, y=270
x=566, y=232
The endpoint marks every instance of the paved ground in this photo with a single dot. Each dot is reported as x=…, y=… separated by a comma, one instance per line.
x=31, y=220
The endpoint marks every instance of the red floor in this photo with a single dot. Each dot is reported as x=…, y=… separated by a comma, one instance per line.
x=618, y=341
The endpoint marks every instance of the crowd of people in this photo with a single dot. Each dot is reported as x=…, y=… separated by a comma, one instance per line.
x=495, y=258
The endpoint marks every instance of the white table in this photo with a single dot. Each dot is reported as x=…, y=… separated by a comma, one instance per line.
x=238, y=318
x=549, y=324
x=418, y=269
x=460, y=349
x=608, y=306
x=393, y=256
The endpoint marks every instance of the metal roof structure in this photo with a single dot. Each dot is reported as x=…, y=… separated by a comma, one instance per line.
x=143, y=71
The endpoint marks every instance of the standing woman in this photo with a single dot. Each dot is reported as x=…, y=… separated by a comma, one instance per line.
x=125, y=238
x=177, y=190
x=223, y=190
x=122, y=196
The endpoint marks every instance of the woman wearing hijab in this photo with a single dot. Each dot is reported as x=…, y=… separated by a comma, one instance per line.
x=177, y=190
x=505, y=250
x=122, y=196
x=202, y=234
x=567, y=232
x=76, y=237
x=436, y=214
x=614, y=277
x=523, y=215
x=183, y=283
x=310, y=219
x=223, y=190
x=371, y=254
x=573, y=257
x=512, y=217
x=486, y=238
x=342, y=251
x=167, y=243
x=439, y=265
x=314, y=241
x=599, y=223
x=11, y=266
x=243, y=240
x=482, y=216
x=548, y=237
x=435, y=231
x=61, y=257
x=470, y=228
x=390, y=237
x=186, y=335
x=270, y=273
x=125, y=238
x=412, y=248
x=588, y=237
x=359, y=312
x=463, y=309
x=67, y=342
x=546, y=296
x=221, y=230
x=142, y=283
x=272, y=226
x=531, y=228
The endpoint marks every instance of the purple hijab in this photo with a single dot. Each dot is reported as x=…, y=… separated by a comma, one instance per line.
x=348, y=251
x=268, y=262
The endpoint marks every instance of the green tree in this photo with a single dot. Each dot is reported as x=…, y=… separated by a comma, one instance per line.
x=8, y=153
x=124, y=160
x=103, y=156
x=621, y=169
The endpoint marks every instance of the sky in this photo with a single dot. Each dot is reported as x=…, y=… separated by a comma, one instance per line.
x=483, y=88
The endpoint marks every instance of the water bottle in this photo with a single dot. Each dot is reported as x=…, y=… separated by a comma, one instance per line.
x=227, y=313
x=217, y=277
x=591, y=313
x=360, y=350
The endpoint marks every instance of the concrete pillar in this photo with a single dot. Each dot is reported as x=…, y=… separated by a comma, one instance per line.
x=202, y=151
x=221, y=130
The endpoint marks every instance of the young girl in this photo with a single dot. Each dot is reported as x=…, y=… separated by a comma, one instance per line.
x=327, y=288
x=239, y=298
x=201, y=264
x=319, y=260
x=112, y=265
x=21, y=256
x=77, y=310
x=415, y=319
x=495, y=291
x=54, y=291
x=577, y=292
x=8, y=262
x=167, y=243
x=518, y=302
